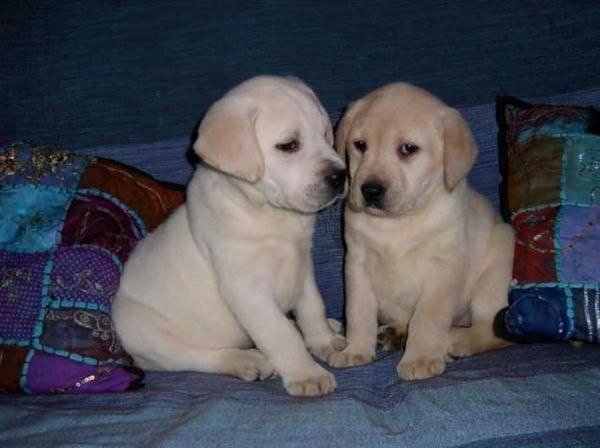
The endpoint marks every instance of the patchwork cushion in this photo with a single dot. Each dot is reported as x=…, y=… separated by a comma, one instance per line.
x=67, y=225
x=551, y=186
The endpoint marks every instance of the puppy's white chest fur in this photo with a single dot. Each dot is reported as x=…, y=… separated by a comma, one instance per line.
x=291, y=274
x=285, y=264
x=270, y=246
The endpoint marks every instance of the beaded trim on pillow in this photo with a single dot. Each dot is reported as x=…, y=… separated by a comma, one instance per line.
x=551, y=189
x=67, y=225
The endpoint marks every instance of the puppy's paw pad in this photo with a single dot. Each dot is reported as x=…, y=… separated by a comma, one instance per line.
x=389, y=338
x=252, y=365
x=421, y=368
x=320, y=383
x=348, y=358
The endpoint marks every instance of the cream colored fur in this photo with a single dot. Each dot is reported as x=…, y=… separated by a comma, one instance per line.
x=210, y=289
x=432, y=259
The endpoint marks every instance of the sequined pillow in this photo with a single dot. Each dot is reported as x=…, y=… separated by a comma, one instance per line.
x=551, y=192
x=67, y=225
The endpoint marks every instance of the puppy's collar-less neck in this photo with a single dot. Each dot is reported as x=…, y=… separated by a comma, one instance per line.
x=439, y=196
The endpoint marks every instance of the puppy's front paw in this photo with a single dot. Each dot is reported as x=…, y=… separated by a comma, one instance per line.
x=420, y=368
x=251, y=365
x=312, y=384
x=349, y=358
x=323, y=350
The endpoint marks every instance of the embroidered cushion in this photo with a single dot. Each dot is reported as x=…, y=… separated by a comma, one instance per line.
x=67, y=225
x=551, y=193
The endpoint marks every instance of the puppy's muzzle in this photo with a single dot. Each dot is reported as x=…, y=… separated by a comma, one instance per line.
x=373, y=193
x=336, y=179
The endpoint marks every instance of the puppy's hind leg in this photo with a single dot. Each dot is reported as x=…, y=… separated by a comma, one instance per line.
x=392, y=337
x=490, y=295
x=246, y=364
x=478, y=338
x=154, y=347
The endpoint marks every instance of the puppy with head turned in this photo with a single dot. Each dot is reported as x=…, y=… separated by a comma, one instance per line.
x=210, y=290
x=428, y=257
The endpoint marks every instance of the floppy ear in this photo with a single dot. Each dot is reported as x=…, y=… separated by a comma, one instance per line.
x=227, y=139
x=301, y=85
x=343, y=127
x=460, y=149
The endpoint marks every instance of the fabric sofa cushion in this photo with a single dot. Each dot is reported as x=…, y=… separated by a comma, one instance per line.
x=551, y=191
x=67, y=224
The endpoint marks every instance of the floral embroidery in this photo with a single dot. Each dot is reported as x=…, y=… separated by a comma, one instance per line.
x=9, y=277
x=34, y=162
x=99, y=324
x=9, y=164
x=82, y=281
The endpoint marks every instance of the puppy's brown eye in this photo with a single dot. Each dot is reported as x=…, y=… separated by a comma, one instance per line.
x=291, y=146
x=408, y=149
x=360, y=145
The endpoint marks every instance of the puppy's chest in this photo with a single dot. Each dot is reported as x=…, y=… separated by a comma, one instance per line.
x=395, y=275
x=290, y=271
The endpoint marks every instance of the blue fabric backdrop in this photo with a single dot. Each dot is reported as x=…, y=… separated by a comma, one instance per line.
x=89, y=73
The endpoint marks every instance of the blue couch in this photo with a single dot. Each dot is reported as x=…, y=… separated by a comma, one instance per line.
x=129, y=80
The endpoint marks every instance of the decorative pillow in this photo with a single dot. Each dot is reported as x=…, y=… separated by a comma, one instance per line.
x=551, y=193
x=67, y=225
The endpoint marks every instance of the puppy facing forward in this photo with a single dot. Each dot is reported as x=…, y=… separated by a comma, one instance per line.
x=427, y=256
x=219, y=277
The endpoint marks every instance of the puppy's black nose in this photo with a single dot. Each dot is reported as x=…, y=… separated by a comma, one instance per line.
x=373, y=192
x=336, y=179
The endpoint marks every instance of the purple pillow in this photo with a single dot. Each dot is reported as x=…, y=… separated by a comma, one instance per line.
x=67, y=225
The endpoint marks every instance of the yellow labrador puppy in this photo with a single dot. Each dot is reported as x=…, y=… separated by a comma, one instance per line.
x=220, y=275
x=427, y=255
